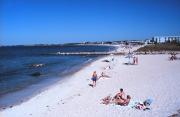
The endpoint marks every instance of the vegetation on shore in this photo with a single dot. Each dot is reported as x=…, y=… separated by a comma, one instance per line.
x=160, y=47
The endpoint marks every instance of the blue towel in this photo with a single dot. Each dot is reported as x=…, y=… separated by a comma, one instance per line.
x=148, y=102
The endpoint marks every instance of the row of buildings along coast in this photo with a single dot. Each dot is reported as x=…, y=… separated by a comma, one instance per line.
x=163, y=39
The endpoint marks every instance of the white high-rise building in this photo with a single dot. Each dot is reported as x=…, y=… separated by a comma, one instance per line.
x=162, y=39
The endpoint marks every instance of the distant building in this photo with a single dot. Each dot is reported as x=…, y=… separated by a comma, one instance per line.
x=163, y=39
x=148, y=41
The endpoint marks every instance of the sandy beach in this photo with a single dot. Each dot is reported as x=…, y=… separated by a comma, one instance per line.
x=153, y=77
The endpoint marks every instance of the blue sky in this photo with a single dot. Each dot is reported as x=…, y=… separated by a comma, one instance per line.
x=64, y=21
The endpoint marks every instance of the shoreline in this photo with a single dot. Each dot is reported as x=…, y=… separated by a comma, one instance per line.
x=45, y=86
x=63, y=97
x=65, y=80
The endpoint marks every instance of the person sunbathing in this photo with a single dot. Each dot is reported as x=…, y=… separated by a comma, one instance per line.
x=106, y=100
x=120, y=95
x=104, y=75
x=123, y=102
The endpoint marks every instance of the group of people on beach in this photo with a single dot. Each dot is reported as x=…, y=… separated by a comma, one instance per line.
x=95, y=77
x=120, y=99
x=173, y=56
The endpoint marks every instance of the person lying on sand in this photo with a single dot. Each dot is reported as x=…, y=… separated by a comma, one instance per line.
x=108, y=67
x=106, y=100
x=104, y=75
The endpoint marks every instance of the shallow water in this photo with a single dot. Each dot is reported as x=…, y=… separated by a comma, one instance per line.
x=16, y=68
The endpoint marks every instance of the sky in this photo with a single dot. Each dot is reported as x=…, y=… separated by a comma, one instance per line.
x=66, y=21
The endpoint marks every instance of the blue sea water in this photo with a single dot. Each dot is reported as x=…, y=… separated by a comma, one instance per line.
x=16, y=80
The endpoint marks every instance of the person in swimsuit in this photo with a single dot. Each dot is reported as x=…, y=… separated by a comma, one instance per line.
x=94, y=78
x=120, y=95
x=124, y=102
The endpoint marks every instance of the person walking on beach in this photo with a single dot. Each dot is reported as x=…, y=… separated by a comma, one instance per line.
x=94, y=78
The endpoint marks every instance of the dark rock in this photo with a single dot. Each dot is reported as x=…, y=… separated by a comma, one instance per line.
x=36, y=74
x=11, y=106
x=105, y=61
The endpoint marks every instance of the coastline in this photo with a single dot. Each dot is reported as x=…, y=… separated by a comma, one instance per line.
x=75, y=98
x=24, y=95
x=48, y=86
x=62, y=85
x=20, y=95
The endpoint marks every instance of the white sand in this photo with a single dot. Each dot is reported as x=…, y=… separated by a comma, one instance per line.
x=154, y=77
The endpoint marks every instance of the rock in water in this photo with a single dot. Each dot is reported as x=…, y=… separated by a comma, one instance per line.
x=36, y=74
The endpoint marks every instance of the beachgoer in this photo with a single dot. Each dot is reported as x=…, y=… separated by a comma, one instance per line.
x=123, y=102
x=108, y=67
x=94, y=78
x=106, y=100
x=126, y=102
x=136, y=60
x=104, y=75
x=120, y=95
x=173, y=56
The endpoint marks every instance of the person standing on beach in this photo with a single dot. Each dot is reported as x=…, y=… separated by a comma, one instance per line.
x=136, y=60
x=94, y=78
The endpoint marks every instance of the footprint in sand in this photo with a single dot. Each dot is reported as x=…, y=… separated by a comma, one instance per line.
x=70, y=98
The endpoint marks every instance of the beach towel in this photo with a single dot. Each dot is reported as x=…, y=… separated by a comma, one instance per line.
x=137, y=104
x=148, y=102
x=133, y=103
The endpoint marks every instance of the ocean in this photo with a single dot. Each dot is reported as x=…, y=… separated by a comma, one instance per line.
x=27, y=70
